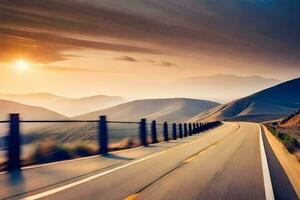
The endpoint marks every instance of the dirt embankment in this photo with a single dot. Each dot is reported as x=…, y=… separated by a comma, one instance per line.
x=291, y=125
x=289, y=161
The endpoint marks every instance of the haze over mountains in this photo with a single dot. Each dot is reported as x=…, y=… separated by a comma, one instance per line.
x=272, y=103
x=222, y=87
x=64, y=105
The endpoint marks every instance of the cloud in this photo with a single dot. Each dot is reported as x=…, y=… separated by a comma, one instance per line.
x=161, y=63
x=227, y=29
x=45, y=47
x=127, y=59
x=168, y=64
x=150, y=61
x=65, y=69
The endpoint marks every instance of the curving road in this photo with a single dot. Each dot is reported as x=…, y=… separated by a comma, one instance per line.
x=229, y=162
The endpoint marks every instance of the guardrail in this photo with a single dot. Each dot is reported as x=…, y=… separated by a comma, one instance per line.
x=179, y=130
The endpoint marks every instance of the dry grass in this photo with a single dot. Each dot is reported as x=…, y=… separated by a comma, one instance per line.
x=126, y=143
x=49, y=150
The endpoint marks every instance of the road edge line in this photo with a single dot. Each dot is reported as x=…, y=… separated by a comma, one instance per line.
x=265, y=169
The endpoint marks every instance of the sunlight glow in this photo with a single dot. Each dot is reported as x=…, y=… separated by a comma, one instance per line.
x=21, y=65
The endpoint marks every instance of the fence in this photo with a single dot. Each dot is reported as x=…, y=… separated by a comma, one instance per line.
x=107, y=134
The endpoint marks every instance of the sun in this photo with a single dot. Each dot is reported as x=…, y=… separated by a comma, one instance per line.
x=21, y=65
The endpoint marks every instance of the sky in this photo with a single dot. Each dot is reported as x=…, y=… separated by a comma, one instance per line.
x=130, y=48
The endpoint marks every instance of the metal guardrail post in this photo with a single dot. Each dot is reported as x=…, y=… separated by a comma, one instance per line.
x=198, y=128
x=201, y=127
x=185, y=130
x=103, y=135
x=174, y=129
x=194, y=128
x=14, y=143
x=190, y=129
x=143, y=132
x=154, y=132
x=180, y=130
x=166, y=132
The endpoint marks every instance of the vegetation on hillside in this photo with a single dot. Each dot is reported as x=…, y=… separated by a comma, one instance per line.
x=290, y=117
x=291, y=143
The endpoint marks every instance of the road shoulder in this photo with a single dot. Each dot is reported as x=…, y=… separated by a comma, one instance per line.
x=286, y=184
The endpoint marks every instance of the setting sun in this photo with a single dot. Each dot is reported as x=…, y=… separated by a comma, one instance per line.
x=21, y=65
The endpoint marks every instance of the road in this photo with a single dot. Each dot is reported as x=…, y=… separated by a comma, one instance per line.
x=229, y=162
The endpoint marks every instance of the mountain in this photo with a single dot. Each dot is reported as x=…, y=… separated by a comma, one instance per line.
x=172, y=110
x=66, y=106
x=269, y=104
x=225, y=87
x=27, y=112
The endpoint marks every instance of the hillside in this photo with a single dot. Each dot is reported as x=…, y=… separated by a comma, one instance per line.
x=173, y=110
x=269, y=104
x=170, y=110
x=292, y=121
x=26, y=112
x=66, y=106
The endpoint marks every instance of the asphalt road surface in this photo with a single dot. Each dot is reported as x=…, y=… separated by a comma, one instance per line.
x=229, y=162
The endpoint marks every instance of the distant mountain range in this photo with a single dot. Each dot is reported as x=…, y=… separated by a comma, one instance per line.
x=27, y=112
x=222, y=87
x=269, y=104
x=172, y=110
x=66, y=106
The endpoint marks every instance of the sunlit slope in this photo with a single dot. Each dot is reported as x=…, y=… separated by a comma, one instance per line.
x=172, y=110
x=292, y=122
x=272, y=103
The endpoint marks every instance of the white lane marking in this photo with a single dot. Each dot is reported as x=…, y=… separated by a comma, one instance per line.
x=59, y=189
x=76, y=159
x=71, y=160
x=265, y=169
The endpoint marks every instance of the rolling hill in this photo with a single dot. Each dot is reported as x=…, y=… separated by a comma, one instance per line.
x=269, y=104
x=66, y=106
x=26, y=112
x=173, y=110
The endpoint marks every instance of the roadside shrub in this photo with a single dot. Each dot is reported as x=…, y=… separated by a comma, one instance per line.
x=83, y=150
x=292, y=144
x=50, y=151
